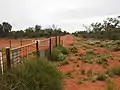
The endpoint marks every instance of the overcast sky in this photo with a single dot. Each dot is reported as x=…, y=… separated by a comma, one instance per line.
x=67, y=14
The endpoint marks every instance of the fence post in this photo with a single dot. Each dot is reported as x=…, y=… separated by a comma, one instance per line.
x=50, y=46
x=21, y=43
x=37, y=50
x=56, y=41
x=1, y=61
x=62, y=42
x=8, y=58
x=59, y=40
x=10, y=43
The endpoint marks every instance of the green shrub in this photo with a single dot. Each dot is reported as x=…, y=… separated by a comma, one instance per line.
x=65, y=62
x=63, y=49
x=101, y=76
x=111, y=85
x=57, y=55
x=58, y=52
x=73, y=49
x=115, y=49
x=61, y=57
x=72, y=44
x=115, y=70
x=83, y=72
x=69, y=74
x=34, y=75
x=89, y=52
x=117, y=42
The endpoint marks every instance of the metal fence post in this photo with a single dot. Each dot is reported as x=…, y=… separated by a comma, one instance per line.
x=21, y=43
x=56, y=41
x=1, y=62
x=37, y=50
x=50, y=46
x=62, y=42
x=10, y=43
x=59, y=40
x=8, y=58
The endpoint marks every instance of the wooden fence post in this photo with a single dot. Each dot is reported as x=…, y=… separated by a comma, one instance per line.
x=8, y=58
x=37, y=50
x=50, y=45
x=56, y=41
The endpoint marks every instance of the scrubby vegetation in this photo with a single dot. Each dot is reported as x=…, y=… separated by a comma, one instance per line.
x=30, y=32
x=108, y=29
x=114, y=71
x=111, y=85
x=92, y=58
x=59, y=53
x=34, y=75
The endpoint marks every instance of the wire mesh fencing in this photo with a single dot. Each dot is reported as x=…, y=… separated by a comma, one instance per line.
x=14, y=57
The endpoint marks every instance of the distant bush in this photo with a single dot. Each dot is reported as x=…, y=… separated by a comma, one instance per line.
x=34, y=75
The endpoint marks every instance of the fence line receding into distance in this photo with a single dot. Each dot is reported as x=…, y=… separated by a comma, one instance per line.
x=14, y=57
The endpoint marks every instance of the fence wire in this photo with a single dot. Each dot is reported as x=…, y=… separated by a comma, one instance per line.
x=19, y=54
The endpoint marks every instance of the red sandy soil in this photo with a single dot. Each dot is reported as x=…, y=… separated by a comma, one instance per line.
x=5, y=42
x=75, y=65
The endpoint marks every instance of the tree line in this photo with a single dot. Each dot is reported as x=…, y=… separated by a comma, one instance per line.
x=30, y=32
x=108, y=29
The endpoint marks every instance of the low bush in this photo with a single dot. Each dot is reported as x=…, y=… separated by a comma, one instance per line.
x=58, y=52
x=63, y=49
x=115, y=49
x=72, y=44
x=101, y=76
x=65, y=62
x=115, y=70
x=69, y=74
x=34, y=75
x=89, y=52
x=111, y=85
x=73, y=49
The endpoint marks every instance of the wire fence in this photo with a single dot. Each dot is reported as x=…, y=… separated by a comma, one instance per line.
x=14, y=57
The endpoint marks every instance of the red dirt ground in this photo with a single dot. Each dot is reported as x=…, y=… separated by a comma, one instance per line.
x=76, y=65
x=5, y=42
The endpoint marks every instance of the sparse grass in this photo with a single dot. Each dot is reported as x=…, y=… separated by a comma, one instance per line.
x=72, y=44
x=81, y=81
x=115, y=70
x=73, y=49
x=83, y=72
x=34, y=75
x=101, y=76
x=95, y=76
x=65, y=62
x=69, y=74
x=92, y=58
x=111, y=85
x=89, y=52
